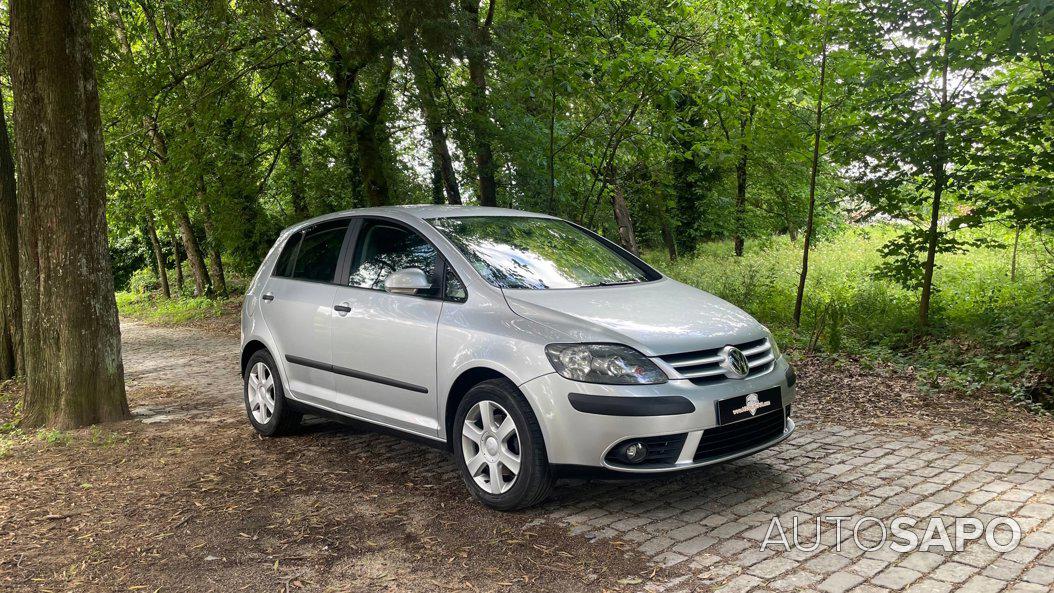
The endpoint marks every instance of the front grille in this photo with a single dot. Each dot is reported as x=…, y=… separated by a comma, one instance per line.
x=702, y=367
x=740, y=436
x=662, y=450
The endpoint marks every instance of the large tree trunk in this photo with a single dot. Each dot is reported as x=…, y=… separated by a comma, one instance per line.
x=427, y=83
x=71, y=336
x=202, y=285
x=477, y=71
x=371, y=164
x=10, y=293
x=627, y=236
x=159, y=256
x=818, y=123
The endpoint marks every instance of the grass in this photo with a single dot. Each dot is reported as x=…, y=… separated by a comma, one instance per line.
x=150, y=307
x=975, y=340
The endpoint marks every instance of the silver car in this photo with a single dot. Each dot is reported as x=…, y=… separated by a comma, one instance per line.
x=526, y=345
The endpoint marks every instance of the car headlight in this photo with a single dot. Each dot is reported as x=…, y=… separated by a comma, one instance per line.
x=604, y=363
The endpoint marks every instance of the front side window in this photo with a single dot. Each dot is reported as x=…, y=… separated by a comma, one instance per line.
x=319, y=252
x=384, y=248
x=537, y=253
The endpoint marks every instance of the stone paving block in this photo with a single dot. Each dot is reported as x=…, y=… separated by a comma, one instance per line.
x=840, y=582
x=1039, y=575
x=771, y=568
x=982, y=584
x=896, y=578
x=953, y=572
x=928, y=585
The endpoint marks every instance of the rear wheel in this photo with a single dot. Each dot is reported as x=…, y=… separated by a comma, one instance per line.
x=265, y=403
x=499, y=449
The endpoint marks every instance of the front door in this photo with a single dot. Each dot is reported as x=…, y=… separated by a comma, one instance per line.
x=384, y=344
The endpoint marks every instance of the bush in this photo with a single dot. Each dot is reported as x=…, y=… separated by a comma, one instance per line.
x=143, y=281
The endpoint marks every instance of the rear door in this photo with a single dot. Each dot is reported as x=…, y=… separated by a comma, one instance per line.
x=384, y=344
x=296, y=304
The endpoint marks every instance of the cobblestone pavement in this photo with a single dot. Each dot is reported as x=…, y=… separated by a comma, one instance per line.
x=709, y=524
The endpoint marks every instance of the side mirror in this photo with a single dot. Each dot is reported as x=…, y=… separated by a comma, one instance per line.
x=407, y=281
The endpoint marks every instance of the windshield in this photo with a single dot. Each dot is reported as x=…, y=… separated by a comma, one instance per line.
x=536, y=253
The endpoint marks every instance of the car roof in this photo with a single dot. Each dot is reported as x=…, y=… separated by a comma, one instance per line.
x=419, y=212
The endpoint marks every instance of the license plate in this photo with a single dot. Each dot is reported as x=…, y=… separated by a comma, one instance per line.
x=749, y=405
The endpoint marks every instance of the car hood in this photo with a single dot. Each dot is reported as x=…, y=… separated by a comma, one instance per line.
x=657, y=318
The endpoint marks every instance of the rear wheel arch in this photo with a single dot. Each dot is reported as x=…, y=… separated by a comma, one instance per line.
x=250, y=348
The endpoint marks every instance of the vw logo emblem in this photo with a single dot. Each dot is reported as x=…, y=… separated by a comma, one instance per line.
x=735, y=363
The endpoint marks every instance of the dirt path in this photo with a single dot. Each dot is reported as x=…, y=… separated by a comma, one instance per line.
x=340, y=509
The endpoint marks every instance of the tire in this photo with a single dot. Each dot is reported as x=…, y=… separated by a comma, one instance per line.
x=283, y=418
x=532, y=481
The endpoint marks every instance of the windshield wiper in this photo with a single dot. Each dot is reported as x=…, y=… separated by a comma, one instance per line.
x=616, y=283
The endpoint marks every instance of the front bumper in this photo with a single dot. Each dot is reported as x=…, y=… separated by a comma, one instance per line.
x=577, y=438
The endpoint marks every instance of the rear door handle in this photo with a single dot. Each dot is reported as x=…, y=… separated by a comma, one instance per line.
x=342, y=308
x=267, y=297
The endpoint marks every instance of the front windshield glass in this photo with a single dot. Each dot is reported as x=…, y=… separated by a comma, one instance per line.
x=536, y=253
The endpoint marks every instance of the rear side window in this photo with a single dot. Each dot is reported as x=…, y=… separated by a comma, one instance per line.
x=316, y=260
x=384, y=248
x=285, y=259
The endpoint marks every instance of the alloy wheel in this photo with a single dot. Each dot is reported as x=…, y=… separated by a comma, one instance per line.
x=491, y=447
x=261, y=393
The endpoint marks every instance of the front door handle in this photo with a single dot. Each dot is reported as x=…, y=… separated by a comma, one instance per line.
x=267, y=297
x=342, y=309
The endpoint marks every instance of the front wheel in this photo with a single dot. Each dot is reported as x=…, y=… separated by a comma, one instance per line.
x=499, y=449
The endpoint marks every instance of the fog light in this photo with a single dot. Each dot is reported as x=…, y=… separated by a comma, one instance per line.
x=791, y=376
x=635, y=452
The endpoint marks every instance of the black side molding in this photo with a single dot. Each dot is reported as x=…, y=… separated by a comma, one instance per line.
x=662, y=405
x=306, y=362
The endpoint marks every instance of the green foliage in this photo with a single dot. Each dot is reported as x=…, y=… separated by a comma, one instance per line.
x=988, y=332
x=171, y=311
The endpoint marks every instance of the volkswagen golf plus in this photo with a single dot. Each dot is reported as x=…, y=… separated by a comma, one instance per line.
x=526, y=345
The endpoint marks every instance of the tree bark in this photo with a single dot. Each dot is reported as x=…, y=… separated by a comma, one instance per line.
x=668, y=238
x=295, y=161
x=179, y=262
x=71, y=336
x=479, y=39
x=159, y=256
x=202, y=284
x=741, y=200
x=939, y=175
x=818, y=123
x=10, y=292
x=427, y=83
x=216, y=273
x=626, y=234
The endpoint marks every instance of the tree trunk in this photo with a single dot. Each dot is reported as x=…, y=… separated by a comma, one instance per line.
x=667, y=237
x=295, y=160
x=10, y=292
x=179, y=262
x=477, y=71
x=939, y=176
x=71, y=336
x=438, y=197
x=627, y=236
x=427, y=83
x=1013, y=258
x=371, y=163
x=219, y=279
x=159, y=256
x=202, y=285
x=741, y=200
x=812, y=185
